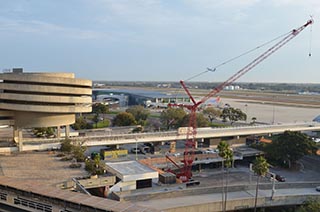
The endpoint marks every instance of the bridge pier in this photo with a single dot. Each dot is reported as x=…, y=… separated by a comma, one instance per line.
x=17, y=137
x=58, y=135
x=173, y=146
x=67, y=131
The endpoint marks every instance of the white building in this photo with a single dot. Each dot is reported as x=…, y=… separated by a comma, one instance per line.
x=131, y=175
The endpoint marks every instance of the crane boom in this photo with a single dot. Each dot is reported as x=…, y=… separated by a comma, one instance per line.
x=255, y=62
x=191, y=132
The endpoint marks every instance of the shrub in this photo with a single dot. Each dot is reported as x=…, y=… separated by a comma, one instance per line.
x=75, y=165
x=66, y=146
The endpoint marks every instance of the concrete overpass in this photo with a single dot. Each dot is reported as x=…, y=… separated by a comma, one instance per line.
x=109, y=138
x=113, y=139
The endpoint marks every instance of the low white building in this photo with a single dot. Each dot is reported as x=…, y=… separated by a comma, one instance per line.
x=131, y=175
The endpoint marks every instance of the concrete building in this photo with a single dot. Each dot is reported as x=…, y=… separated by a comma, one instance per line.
x=131, y=97
x=131, y=175
x=29, y=100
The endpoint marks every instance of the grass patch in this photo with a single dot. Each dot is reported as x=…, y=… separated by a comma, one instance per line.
x=218, y=125
x=102, y=124
x=113, y=112
x=155, y=115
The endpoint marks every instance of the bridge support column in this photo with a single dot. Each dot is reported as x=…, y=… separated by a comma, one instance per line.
x=67, y=133
x=17, y=137
x=15, y=134
x=58, y=132
x=20, y=140
x=173, y=146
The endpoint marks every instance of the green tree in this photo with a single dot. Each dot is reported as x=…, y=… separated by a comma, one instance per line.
x=233, y=114
x=227, y=155
x=172, y=117
x=95, y=166
x=44, y=131
x=81, y=123
x=289, y=147
x=140, y=114
x=253, y=120
x=211, y=113
x=311, y=205
x=66, y=146
x=261, y=168
x=95, y=119
x=124, y=119
x=78, y=152
x=201, y=120
x=99, y=108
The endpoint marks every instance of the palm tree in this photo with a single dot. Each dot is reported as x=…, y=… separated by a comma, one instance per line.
x=226, y=153
x=261, y=168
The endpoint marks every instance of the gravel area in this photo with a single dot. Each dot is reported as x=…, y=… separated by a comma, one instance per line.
x=42, y=167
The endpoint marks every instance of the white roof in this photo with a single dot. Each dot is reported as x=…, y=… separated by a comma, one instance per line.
x=131, y=171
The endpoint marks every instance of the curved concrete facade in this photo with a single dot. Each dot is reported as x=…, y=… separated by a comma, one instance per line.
x=42, y=99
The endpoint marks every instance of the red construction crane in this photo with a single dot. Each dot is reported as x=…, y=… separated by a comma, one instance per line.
x=185, y=173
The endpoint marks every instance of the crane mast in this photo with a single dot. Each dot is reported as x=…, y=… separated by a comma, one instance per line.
x=185, y=171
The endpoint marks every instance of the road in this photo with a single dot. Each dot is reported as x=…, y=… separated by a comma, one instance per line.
x=238, y=199
x=112, y=139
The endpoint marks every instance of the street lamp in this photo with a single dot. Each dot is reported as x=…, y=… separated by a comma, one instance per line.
x=273, y=110
x=246, y=109
x=273, y=176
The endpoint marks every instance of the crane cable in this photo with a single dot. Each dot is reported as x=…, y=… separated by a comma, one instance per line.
x=310, y=41
x=236, y=57
x=214, y=69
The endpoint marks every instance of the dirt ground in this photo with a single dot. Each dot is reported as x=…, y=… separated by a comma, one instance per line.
x=269, y=113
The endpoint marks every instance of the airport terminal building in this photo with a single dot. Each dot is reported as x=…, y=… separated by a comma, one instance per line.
x=126, y=97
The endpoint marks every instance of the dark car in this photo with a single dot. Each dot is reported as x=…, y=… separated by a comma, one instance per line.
x=318, y=188
x=280, y=178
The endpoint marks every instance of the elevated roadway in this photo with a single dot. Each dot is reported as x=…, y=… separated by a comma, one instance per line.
x=109, y=138
x=116, y=139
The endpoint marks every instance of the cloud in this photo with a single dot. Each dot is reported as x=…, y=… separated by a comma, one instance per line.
x=215, y=4
x=139, y=13
x=45, y=28
x=311, y=5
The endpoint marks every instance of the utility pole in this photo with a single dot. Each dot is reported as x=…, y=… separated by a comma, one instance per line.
x=273, y=110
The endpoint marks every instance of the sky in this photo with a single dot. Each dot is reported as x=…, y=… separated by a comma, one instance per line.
x=159, y=40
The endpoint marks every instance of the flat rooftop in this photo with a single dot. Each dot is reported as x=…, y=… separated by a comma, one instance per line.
x=248, y=151
x=140, y=92
x=131, y=170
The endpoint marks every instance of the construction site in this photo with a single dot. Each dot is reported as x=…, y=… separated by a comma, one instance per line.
x=189, y=174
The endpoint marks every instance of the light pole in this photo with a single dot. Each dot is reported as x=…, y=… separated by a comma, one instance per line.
x=273, y=110
x=273, y=175
x=246, y=108
x=136, y=150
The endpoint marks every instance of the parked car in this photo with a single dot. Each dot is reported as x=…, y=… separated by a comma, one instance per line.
x=196, y=152
x=211, y=151
x=280, y=178
x=318, y=188
x=135, y=150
